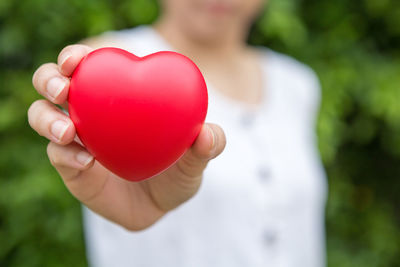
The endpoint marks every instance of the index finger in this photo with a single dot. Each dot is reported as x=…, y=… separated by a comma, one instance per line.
x=70, y=56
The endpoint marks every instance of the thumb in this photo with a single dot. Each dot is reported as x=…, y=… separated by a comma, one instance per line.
x=209, y=144
x=183, y=179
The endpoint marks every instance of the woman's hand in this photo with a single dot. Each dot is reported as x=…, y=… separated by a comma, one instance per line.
x=132, y=205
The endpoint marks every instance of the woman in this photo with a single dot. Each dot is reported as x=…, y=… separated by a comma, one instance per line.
x=261, y=202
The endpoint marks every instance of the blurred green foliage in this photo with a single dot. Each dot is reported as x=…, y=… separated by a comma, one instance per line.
x=353, y=45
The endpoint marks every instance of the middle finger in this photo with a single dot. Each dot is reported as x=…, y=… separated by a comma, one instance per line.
x=50, y=122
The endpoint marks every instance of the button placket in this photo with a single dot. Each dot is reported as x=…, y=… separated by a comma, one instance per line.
x=247, y=119
x=263, y=173
x=270, y=237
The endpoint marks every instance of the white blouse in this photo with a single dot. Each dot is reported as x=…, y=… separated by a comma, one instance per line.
x=262, y=200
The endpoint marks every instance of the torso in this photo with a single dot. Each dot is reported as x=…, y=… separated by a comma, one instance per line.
x=261, y=202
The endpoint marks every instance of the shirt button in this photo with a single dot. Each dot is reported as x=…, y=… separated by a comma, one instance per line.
x=247, y=120
x=269, y=237
x=264, y=173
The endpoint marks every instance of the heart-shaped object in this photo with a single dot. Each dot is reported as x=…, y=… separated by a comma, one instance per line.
x=137, y=115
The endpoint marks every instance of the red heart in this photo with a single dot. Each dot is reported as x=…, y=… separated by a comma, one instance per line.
x=137, y=116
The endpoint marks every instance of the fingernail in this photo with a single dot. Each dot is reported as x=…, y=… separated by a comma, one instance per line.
x=212, y=135
x=84, y=158
x=58, y=129
x=55, y=87
x=64, y=58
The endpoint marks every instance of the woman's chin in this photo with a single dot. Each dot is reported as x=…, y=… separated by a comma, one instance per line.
x=210, y=33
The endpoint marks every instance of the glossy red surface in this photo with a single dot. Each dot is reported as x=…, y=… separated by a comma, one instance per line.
x=137, y=116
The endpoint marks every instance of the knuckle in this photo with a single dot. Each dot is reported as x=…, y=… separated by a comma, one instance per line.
x=55, y=155
x=39, y=117
x=55, y=159
x=30, y=116
x=50, y=147
x=220, y=142
x=78, y=48
x=40, y=76
x=191, y=161
x=68, y=47
x=34, y=112
x=35, y=76
x=51, y=153
x=63, y=51
x=191, y=166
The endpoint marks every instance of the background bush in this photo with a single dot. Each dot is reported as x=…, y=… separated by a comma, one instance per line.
x=353, y=45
